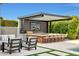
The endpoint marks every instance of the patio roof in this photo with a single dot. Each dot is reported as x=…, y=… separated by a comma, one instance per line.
x=45, y=17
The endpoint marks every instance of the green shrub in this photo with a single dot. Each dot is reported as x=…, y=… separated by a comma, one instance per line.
x=72, y=35
x=2, y=22
x=72, y=28
x=8, y=23
x=60, y=27
x=11, y=23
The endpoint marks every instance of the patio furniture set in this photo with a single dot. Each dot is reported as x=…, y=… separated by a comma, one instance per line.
x=28, y=40
x=12, y=43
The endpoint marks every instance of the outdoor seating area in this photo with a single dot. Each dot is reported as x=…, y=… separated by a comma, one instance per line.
x=28, y=41
x=39, y=29
x=62, y=48
x=12, y=43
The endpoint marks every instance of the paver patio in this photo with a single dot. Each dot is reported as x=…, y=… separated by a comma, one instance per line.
x=45, y=54
x=60, y=53
x=48, y=49
x=23, y=52
x=65, y=46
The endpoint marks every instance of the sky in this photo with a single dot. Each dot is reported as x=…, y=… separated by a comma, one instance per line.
x=12, y=11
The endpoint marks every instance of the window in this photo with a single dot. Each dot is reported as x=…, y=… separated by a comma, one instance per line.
x=35, y=26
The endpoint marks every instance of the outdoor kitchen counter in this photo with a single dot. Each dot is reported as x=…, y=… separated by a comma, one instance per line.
x=45, y=37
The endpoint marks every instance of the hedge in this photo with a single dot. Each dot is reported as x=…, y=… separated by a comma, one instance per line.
x=8, y=23
x=60, y=27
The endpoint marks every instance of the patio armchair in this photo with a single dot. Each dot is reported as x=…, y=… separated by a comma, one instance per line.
x=3, y=38
x=14, y=44
x=32, y=43
x=24, y=38
x=11, y=36
x=0, y=42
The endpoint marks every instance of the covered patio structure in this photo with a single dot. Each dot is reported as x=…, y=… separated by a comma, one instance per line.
x=39, y=22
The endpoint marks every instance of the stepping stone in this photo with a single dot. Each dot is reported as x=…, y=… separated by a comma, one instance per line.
x=45, y=54
x=59, y=53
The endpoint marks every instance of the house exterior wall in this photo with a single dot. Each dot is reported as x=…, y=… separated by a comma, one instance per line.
x=26, y=26
x=44, y=26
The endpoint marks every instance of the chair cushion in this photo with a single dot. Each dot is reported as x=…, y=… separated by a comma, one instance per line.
x=11, y=36
x=0, y=37
x=24, y=44
x=23, y=37
x=1, y=42
x=5, y=38
x=14, y=45
x=8, y=47
x=32, y=37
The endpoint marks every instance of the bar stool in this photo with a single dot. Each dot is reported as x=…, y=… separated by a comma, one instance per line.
x=62, y=37
x=52, y=38
x=47, y=39
x=58, y=38
x=44, y=40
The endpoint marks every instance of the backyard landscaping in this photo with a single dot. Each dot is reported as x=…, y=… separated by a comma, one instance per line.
x=54, y=39
x=54, y=31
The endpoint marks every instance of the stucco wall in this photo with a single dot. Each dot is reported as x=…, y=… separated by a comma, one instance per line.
x=8, y=30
